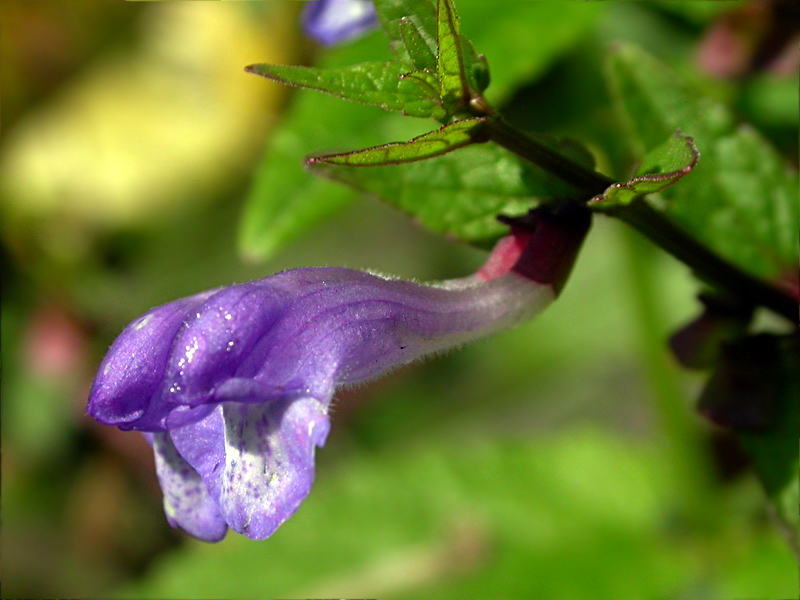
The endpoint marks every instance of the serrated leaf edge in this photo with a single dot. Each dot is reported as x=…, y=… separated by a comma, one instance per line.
x=671, y=178
x=475, y=138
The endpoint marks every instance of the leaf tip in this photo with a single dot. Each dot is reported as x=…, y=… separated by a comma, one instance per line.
x=260, y=69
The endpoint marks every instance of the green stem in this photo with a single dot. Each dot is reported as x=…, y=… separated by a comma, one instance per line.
x=657, y=227
x=590, y=182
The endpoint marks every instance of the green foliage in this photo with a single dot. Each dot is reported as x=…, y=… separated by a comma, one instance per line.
x=436, y=81
x=448, y=138
x=398, y=17
x=458, y=194
x=444, y=194
x=388, y=85
x=477, y=438
x=461, y=75
x=284, y=200
x=662, y=167
x=450, y=54
x=421, y=53
x=504, y=520
x=741, y=199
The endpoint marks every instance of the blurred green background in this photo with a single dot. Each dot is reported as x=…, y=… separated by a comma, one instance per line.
x=559, y=460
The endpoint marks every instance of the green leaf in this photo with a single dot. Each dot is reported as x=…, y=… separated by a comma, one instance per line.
x=448, y=138
x=454, y=89
x=422, y=15
x=421, y=51
x=378, y=84
x=662, y=167
x=463, y=75
x=525, y=40
x=284, y=199
x=458, y=194
x=741, y=199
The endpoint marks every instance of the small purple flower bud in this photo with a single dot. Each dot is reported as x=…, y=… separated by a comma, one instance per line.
x=332, y=22
x=233, y=386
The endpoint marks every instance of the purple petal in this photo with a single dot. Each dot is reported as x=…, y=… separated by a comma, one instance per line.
x=256, y=460
x=134, y=367
x=187, y=503
x=202, y=445
x=296, y=333
x=346, y=326
x=215, y=340
x=334, y=21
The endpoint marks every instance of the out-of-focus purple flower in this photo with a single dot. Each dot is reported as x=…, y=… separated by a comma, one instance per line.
x=334, y=21
x=233, y=386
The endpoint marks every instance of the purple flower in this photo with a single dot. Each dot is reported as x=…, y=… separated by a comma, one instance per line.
x=331, y=22
x=233, y=386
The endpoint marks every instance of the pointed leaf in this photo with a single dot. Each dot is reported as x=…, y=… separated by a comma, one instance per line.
x=448, y=138
x=475, y=68
x=421, y=12
x=452, y=75
x=377, y=84
x=421, y=51
x=528, y=38
x=459, y=193
x=742, y=199
x=662, y=167
x=284, y=199
x=429, y=37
